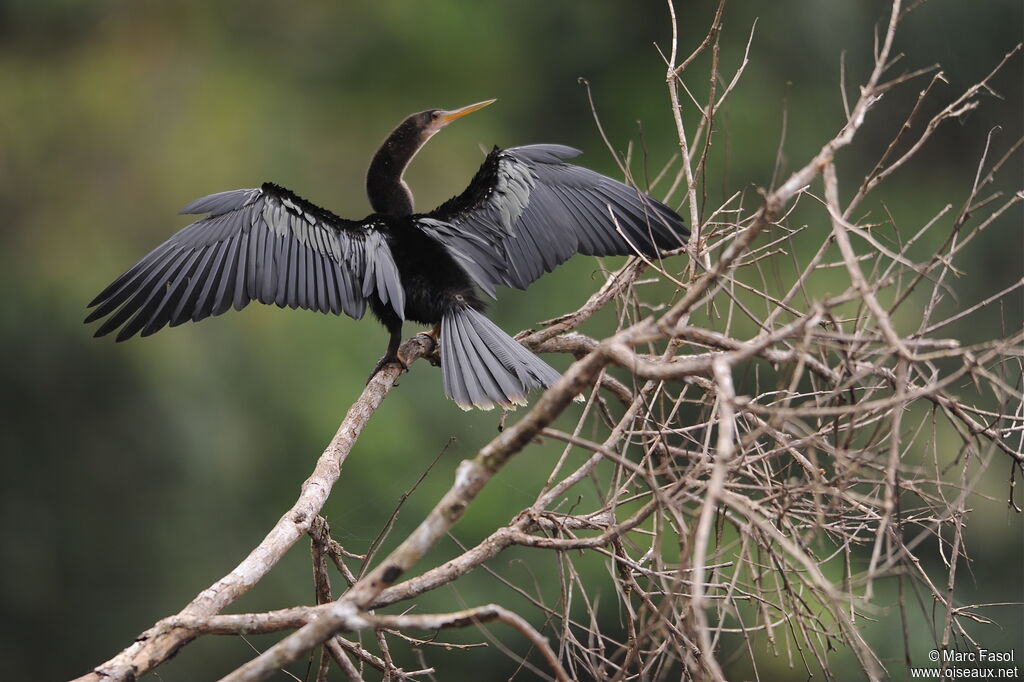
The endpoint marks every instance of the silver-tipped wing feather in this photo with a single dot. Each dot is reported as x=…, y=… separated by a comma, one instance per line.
x=265, y=244
x=527, y=211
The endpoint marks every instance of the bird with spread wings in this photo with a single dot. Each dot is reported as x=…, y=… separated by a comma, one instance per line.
x=526, y=211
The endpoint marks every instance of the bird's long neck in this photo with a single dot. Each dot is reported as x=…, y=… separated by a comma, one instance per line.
x=385, y=187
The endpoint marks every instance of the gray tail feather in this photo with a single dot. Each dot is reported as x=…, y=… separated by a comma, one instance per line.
x=483, y=366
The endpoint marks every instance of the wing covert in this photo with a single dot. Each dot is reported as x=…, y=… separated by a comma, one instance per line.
x=265, y=244
x=526, y=211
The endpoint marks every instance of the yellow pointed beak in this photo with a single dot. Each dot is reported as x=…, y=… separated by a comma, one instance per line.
x=449, y=116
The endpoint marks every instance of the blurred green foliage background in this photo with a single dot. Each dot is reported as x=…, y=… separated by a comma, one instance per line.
x=135, y=474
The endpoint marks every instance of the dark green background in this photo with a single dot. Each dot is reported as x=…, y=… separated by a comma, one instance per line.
x=135, y=474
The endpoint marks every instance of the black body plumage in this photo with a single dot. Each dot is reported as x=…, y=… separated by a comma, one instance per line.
x=524, y=212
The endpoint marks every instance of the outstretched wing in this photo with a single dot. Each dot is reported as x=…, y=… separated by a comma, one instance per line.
x=265, y=244
x=526, y=211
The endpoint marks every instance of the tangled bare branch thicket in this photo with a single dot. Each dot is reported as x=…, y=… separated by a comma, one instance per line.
x=752, y=487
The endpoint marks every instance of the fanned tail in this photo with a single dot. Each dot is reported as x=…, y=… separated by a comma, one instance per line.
x=483, y=366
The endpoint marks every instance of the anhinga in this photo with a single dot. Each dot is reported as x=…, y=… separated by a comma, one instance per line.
x=525, y=212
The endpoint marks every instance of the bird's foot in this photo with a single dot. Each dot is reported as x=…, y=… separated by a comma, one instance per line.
x=389, y=359
x=434, y=357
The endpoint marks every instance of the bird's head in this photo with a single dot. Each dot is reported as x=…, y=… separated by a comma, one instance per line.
x=432, y=120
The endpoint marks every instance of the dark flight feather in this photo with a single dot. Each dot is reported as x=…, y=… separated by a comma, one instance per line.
x=535, y=211
x=484, y=367
x=264, y=244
